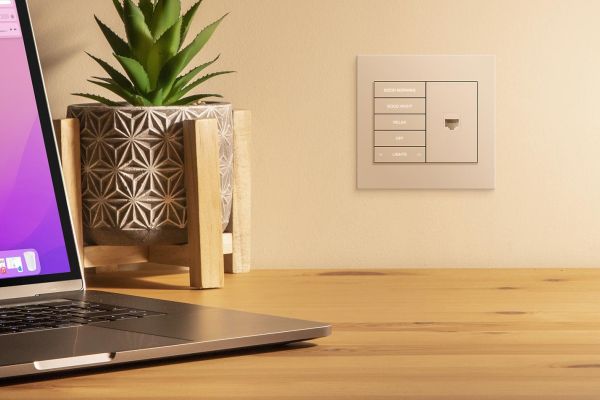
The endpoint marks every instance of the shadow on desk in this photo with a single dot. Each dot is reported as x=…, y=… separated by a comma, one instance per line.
x=146, y=276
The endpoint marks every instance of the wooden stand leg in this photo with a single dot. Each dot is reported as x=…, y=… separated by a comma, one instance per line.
x=239, y=261
x=202, y=171
x=67, y=137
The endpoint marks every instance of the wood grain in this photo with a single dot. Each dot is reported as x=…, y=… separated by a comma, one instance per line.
x=398, y=334
x=241, y=214
x=202, y=175
x=67, y=138
x=104, y=256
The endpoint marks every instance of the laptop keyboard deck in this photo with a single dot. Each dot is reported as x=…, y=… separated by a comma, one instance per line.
x=63, y=314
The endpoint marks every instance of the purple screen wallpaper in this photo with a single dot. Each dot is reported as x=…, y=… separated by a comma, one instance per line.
x=31, y=238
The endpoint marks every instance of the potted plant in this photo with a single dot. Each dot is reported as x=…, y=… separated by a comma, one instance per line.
x=132, y=150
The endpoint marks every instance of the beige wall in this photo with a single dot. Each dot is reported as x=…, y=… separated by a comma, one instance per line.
x=296, y=63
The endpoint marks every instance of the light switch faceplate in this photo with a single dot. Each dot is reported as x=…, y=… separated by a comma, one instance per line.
x=426, y=122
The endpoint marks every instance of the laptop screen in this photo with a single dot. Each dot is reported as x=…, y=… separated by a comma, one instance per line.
x=31, y=235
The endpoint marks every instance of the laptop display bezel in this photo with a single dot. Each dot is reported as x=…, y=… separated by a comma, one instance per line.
x=73, y=278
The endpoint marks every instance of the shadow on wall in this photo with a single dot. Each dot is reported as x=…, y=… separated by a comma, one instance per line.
x=56, y=45
x=54, y=56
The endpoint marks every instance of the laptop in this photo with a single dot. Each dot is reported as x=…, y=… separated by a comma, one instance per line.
x=49, y=321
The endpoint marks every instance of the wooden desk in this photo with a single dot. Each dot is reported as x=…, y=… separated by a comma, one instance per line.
x=403, y=334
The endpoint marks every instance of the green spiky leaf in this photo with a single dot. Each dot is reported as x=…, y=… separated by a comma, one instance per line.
x=178, y=95
x=118, y=77
x=136, y=73
x=187, y=78
x=162, y=51
x=153, y=54
x=116, y=89
x=138, y=34
x=166, y=13
x=131, y=98
x=188, y=17
x=147, y=7
x=118, y=45
x=97, y=98
x=192, y=99
x=173, y=68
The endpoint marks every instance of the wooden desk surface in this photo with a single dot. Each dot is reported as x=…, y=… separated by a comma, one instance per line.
x=405, y=334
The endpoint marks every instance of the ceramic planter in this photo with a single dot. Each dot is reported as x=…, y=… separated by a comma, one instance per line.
x=132, y=165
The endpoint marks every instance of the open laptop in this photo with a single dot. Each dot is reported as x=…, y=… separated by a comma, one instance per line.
x=48, y=320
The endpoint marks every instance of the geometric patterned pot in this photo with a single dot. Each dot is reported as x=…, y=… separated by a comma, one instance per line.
x=133, y=173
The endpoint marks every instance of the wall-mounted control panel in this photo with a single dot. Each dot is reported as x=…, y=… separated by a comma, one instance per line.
x=426, y=122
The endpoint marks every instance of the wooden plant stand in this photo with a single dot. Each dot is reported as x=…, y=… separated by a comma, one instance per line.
x=209, y=252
